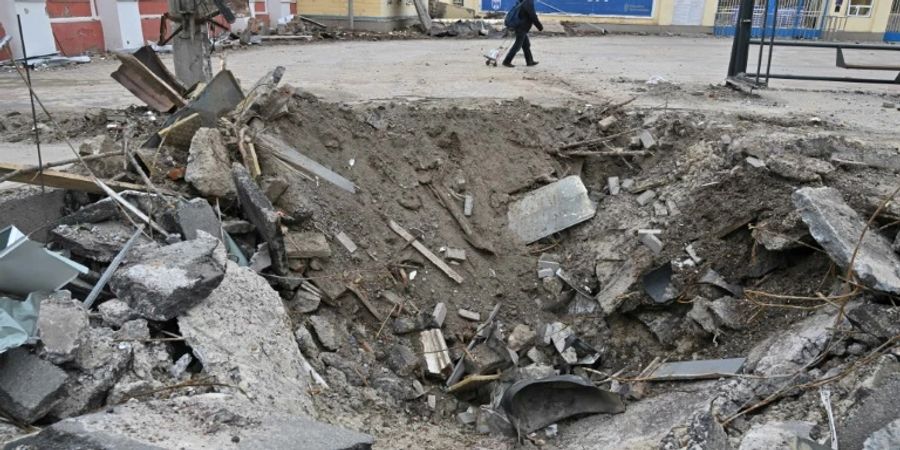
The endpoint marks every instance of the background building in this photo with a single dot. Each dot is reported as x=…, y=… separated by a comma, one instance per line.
x=75, y=27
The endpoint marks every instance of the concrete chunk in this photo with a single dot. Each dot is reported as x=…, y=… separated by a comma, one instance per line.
x=260, y=212
x=307, y=245
x=645, y=197
x=456, y=254
x=607, y=122
x=208, y=165
x=170, y=280
x=550, y=209
x=837, y=228
x=115, y=312
x=243, y=336
x=29, y=386
x=100, y=242
x=210, y=420
x=647, y=139
x=62, y=327
x=652, y=242
x=197, y=214
x=439, y=314
x=469, y=315
x=613, y=185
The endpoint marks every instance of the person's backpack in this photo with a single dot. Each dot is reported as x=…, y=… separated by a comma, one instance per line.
x=512, y=19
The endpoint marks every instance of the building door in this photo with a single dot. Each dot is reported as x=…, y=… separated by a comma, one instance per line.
x=799, y=19
x=892, y=33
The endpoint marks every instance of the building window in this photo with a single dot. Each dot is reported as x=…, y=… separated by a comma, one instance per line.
x=860, y=8
x=838, y=4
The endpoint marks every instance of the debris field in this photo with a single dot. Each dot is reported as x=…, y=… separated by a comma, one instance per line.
x=268, y=270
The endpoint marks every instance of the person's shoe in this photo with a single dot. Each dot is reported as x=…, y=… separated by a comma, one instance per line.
x=506, y=64
x=533, y=63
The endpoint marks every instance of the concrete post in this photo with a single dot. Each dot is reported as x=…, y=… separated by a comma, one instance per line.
x=191, y=46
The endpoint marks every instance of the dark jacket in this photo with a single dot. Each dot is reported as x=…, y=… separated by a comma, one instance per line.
x=528, y=17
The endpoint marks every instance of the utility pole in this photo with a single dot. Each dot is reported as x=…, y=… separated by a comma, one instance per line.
x=191, y=41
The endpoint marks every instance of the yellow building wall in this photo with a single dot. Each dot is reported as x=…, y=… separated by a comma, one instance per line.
x=875, y=23
x=398, y=8
x=361, y=8
x=709, y=13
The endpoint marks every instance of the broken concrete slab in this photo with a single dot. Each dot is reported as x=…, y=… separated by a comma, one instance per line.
x=799, y=167
x=100, y=362
x=885, y=438
x=617, y=287
x=100, y=242
x=881, y=321
x=197, y=214
x=876, y=408
x=31, y=209
x=775, y=435
x=550, y=209
x=249, y=344
x=305, y=302
x=793, y=348
x=168, y=281
x=520, y=337
x=330, y=329
x=29, y=386
x=307, y=245
x=402, y=360
x=62, y=327
x=837, y=228
x=259, y=210
x=199, y=421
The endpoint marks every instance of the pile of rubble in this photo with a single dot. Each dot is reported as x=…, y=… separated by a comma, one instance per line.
x=265, y=263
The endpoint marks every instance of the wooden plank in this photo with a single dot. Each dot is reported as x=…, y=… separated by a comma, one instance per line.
x=64, y=180
x=284, y=152
x=437, y=356
x=425, y=252
x=145, y=85
x=364, y=299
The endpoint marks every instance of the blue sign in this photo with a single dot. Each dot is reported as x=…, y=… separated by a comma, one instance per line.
x=631, y=8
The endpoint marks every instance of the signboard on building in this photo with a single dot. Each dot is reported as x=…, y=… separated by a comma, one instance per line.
x=627, y=8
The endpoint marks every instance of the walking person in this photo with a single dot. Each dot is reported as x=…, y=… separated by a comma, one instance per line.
x=520, y=19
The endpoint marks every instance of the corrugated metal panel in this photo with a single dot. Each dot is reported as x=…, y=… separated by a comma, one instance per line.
x=629, y=8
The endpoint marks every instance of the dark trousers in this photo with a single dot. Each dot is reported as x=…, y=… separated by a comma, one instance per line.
x=522, y=42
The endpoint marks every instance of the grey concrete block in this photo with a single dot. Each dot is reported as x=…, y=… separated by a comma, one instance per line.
x=837, y=228
x=197, y=214
x=29, y=386
x=208, y=166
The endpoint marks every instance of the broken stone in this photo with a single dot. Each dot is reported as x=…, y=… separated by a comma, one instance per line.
x=196, y=215
x=613, y=185
x=550, y=209
x=781, y=232
x=799, y=167
x=259, y=210
x=100, y=242
x=704, y=432
x=228, y=421
x=727, y=312
x=659, y=209
x=172, y=279
x=875, y=407
x=134, y=330
x=180, y=366
x=306, y=342
x=775, y=435
x=700, y=313
x=652, y=242
x=713, y=278
x=467, y=417
x=469, y=315
x=273, y=187
x=406, y=325
x=397, y=388
x=115, y=312
x=468, y=205
x=402, y=360
x=330, y=330
x=456, y=254
x=665, y=325
x=645, y=197
x=885, y=438
x=305, y=302
x=307, y=245
x=483, y=360
x=837, y=228
x=100, y=362
x=29, y=386
x=265, y=361
x=647, y=139
x=793, y=348
x=617, y=286
x=607, y=122
x=208, y=165
x=62, y=326
x=237, y=226
x=261, y=260
x=439, y=314
x=521, y=336
x=881, y=321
